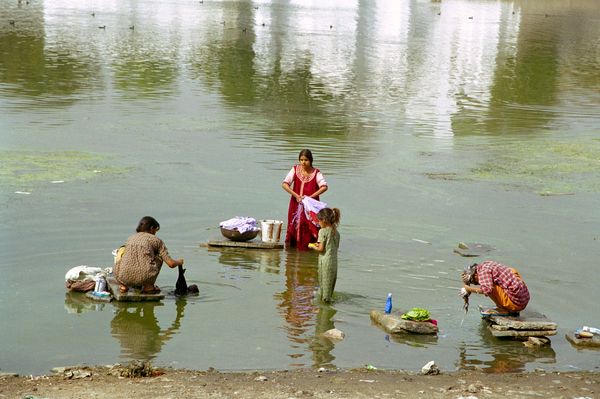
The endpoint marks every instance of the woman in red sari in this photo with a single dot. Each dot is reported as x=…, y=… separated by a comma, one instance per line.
x=302, y=181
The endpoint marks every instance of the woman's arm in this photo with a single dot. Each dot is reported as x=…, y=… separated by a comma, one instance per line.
x=319, y=247
x=321, y=183
x=469, y=288
x=320, y=191
x=289, y=190
x=173, y=262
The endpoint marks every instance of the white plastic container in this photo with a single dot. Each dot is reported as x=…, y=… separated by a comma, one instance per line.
x=270, y=230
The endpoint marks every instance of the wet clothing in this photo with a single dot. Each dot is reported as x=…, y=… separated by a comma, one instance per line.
x=503, y=285
x=300, y=231
x=142, y=260
x=328, y=262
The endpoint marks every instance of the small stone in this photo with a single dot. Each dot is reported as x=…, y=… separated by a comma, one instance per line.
x=59, y=370
x=261, y=378
x=430, y=369
x=472, y=388
x=334, y=333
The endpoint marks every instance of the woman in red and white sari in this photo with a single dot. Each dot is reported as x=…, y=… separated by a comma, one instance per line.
x=303, y=180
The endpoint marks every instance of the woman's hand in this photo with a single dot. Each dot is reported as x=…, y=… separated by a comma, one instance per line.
x=172, y=263
x=471, y=289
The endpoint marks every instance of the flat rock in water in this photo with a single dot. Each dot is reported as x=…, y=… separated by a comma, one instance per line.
x=592, y=342
x=394, y=324
x=520, y=333
x=527, y=320
x=334, y=333
x=527, y=324
x=133, y=295
x=471, y=249
x=245, y=244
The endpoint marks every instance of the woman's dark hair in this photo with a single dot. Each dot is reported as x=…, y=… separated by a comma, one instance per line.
x=307, y=154
x=146, y=223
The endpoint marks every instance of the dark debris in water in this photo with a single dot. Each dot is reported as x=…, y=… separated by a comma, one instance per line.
x=136, y=369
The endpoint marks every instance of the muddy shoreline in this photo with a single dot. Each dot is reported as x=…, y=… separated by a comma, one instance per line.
x=116, y=382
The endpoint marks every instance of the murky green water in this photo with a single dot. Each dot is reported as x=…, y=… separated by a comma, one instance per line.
x=434, y=123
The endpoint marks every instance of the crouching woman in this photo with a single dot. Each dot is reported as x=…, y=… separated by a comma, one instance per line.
x=142, y=260
x=501, y=283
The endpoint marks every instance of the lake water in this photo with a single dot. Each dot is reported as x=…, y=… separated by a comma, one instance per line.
x=434, y=123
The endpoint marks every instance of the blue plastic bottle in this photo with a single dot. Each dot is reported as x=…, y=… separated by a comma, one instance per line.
x=388, y=304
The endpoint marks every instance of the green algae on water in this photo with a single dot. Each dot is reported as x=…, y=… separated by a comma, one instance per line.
x=546, y=167
x=19, y=168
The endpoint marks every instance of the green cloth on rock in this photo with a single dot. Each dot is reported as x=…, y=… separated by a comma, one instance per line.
x=416, y=314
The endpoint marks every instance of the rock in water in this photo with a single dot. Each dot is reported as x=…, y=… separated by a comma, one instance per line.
x=335, y=334
x=181, y=287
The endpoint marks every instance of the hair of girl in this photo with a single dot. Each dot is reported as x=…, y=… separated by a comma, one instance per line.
x=307, y=154
x=146, y=223
x=331, y=216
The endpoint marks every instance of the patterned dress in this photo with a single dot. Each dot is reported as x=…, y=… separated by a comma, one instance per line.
x=328, y=262
x=140, y=264
x=302, y=232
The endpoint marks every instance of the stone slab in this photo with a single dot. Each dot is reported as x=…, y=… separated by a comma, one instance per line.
x=593, y=342
x=520, y=333
x=394, y=324
x=133, y=295
x=527, y=320
x=472, y=249
x=245, y=244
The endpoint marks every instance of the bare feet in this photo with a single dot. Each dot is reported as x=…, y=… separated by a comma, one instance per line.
x=152, y=289
x=498, y=312
x=123, y=289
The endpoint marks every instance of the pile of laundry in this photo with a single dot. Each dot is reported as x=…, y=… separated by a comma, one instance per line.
x=240, y=223
x=88, y=278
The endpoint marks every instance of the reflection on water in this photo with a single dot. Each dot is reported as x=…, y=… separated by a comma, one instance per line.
x=201, y=109
x=252, y=259
x=340, y=79
x=77, y=302
x=305, y=319
x=414, y=340
x=501, y=355
x=296, y=302
x=320, y=346
x=137, y=329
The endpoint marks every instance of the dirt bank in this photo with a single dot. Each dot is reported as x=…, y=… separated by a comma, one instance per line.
x=109, y=382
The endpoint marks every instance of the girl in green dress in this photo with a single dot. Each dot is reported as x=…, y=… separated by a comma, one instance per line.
x=327, y=246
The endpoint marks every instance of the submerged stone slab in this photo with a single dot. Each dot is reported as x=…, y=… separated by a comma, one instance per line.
x=245, y=244
x=527, y=320
x=394, y=324
x=592, y=342
x=472, y=249
x=133, y=295
x=520, y=333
